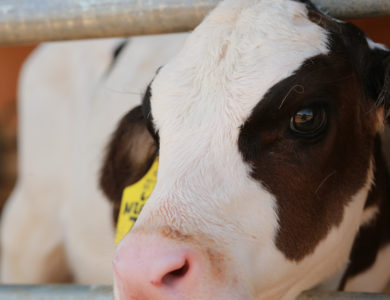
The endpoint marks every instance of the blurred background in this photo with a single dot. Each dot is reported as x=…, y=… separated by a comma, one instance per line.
x=11, y=60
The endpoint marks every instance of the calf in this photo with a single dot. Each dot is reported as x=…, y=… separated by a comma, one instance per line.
x=57, y=225
x=271, y=176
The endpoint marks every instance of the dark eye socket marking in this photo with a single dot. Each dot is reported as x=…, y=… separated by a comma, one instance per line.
x=147, y=112
x=146, y=107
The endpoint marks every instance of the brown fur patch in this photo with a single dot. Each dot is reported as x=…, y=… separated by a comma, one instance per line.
x=217, y=262
x=314, y=178
x=130, y=154
x=174, y=234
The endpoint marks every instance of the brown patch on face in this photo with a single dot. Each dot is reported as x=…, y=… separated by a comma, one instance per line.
x=313, y=177
x=174, y=234
x=217, y=262
x=224, y=50
x=130, y=154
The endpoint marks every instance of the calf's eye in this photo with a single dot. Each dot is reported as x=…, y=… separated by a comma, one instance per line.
x=309, y=121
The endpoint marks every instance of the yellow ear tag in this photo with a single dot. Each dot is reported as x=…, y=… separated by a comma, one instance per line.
x=133, y=200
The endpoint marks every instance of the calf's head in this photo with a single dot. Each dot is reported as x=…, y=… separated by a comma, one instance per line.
x=264, y=125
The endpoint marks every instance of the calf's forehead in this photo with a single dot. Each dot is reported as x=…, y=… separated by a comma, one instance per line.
x=230, y=61
x=200, y=99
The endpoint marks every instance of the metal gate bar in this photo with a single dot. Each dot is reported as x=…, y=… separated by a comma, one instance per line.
x=315, y=295
x=55, y=292
x=32, y=21
x=76, y=292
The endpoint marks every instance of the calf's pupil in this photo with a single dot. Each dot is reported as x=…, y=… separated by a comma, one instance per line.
x=304, y=116
x=308, y=121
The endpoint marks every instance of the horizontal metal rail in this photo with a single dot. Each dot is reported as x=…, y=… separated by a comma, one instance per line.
x=55, y=292
x=315, y=295
x=75, y=292
x=32, y=21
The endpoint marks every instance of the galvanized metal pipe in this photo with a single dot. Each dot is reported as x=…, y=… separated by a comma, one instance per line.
x=355, y=9
x=316, y=295
x=32, y=21
x=74, y=292
x=55, y=292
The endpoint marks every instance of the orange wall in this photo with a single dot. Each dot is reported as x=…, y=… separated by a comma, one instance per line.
x=11, y=59
x=378, y=29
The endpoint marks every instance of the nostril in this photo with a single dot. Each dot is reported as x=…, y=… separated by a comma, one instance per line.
x=174, y=276
x=154, y=267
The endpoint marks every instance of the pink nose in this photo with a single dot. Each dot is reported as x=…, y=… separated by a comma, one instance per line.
x=147, y=267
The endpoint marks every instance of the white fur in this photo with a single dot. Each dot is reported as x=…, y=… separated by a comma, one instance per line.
x=52, y=105
x=373, y=45
x=369, y=215
x=68, y=107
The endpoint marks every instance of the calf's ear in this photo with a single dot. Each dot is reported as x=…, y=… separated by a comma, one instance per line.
x=130, y=153
x=378, y=79
x=384, y=96
x=372, y=62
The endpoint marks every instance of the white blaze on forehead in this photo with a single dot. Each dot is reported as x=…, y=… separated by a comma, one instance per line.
x=229, y=62
x=240, y=51
x=202, y=97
